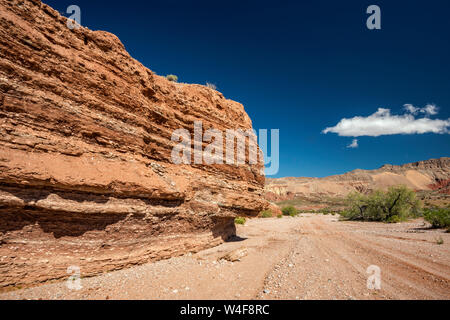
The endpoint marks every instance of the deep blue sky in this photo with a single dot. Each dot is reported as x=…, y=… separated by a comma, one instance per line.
x=299, y=66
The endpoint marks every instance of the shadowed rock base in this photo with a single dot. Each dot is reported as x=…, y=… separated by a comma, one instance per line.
x=39, y=246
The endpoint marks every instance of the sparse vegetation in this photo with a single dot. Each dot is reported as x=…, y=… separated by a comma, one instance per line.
x=289, y=211
x=394, y=205
x=438, y=217
x=172, y=77
x=395, y=219
x=325, y=211
x=266, y=214
x=279, y=216
x=211, y=86
x=240, y=220
x=433, y=199
x=293, y=202
x=439, y=240
x=314, y=204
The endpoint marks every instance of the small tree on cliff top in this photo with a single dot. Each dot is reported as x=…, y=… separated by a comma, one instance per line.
x=172, y=77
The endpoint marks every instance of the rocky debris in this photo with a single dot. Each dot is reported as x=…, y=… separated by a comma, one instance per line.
x=86, y=175
x=431, y=174
x=235, y=255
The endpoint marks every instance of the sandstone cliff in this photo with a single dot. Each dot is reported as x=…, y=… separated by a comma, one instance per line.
x=423, y=175
x=86, y=177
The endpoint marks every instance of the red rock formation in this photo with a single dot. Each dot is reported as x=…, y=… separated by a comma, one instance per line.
x=443, y=186
x=86, y=176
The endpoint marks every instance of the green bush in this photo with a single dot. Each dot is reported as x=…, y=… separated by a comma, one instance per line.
x=438, y=217
x=279, y=216
x=394, y=219
x=394, y=205
x=266, y=214
x=172, y=77
x=239, y=220
x=289, y=211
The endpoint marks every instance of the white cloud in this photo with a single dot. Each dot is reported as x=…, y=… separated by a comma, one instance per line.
x=354, y=144
x=383, y=122
x=411, y=109
x=429, y=109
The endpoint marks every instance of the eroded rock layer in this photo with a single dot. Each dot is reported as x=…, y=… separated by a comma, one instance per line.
x=86, y=177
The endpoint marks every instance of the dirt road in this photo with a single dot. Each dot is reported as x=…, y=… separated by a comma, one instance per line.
x=307, y=257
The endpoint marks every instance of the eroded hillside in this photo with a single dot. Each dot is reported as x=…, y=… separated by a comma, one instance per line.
x=426, y=175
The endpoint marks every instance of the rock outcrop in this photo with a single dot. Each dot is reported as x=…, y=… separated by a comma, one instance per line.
x=86, y=177
x=432, y=174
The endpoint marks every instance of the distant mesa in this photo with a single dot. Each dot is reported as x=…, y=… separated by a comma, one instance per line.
x=431, y=174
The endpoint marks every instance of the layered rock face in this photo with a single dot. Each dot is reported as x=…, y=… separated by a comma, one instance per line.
x=86, y=177
x=432, y=174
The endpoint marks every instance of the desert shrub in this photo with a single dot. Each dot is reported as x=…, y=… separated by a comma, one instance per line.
x=438, y=217
x=394, y=219
x=211, y=86
x=172, y=77
x=394, y=205
x=266, y=214
x=239, y=220
x=345, y=214
x=279, y=216
x=293, y=202
x=289, y=211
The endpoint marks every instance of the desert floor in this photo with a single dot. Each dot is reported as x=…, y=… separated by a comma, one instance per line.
x=306, y=257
